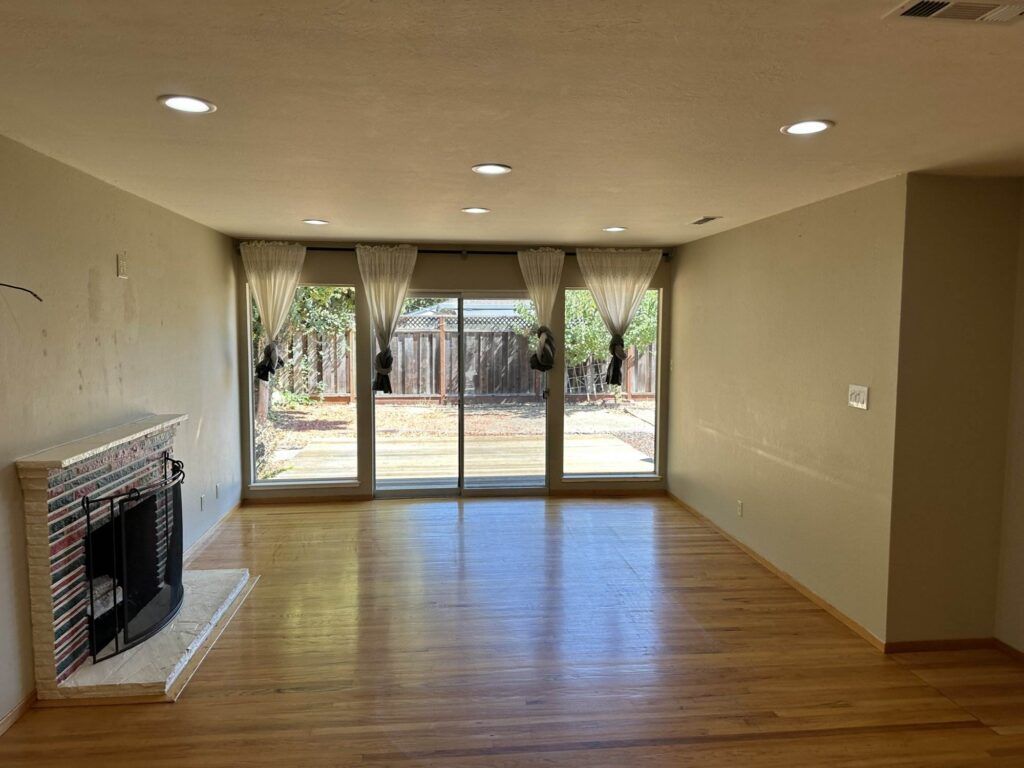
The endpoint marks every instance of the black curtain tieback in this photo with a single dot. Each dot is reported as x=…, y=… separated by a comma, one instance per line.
x=617, y=349
x=269, y=363
x=544, y=358
x=383, y=363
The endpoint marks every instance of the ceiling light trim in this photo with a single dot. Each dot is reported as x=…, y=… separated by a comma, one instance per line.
x=180, y=102
x=492, y=169
x=809, y=127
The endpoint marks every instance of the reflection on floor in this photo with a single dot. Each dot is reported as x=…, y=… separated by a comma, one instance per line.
x=525, y=632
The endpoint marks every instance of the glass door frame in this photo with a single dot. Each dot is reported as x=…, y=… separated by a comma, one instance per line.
x=405, y=493
x=460, y=488
x=498, y=490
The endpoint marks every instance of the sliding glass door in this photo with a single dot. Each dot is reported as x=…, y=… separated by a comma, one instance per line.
x=504, y=417
x=416, y=444
x=467, y=412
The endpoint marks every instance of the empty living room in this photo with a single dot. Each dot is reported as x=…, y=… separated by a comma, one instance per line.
x=450, y=384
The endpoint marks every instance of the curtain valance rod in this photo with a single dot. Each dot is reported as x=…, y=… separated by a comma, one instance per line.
x=445, y=251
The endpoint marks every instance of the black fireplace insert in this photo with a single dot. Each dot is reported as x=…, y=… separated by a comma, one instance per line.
x=133, y=554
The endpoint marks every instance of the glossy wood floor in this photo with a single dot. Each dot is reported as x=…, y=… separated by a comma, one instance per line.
x=533, y=632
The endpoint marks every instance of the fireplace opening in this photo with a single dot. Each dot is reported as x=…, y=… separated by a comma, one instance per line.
x=133, y=552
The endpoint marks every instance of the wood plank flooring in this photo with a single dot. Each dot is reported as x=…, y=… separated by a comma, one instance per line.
x=533, y=632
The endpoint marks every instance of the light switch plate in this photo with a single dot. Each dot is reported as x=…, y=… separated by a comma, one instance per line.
x=122, y=264
x=858, y=397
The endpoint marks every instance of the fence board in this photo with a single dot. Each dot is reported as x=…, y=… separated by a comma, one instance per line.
x=497, y=363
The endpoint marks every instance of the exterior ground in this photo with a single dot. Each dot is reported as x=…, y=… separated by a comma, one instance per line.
x=307, y=440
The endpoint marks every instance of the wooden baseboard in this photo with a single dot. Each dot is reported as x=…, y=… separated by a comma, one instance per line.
x=927, y=646
x=964, y=644
x=909, y=646
x=199, y=544
x=810, y=594
x=12, y=717
x=1008, y=649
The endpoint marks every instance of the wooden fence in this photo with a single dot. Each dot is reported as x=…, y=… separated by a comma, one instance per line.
x=426, y=366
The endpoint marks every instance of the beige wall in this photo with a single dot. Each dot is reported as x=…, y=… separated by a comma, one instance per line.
x=772, y=322
x=478, y=272
x=1010, y=594
x=893, y=515
x=100, y=351
x=959, y=273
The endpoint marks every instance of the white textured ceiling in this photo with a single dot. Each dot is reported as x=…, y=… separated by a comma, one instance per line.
x=646, y=114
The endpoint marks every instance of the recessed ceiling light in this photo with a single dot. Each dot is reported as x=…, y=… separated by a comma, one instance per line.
x=492, y=169
x=476, y=209
x=316, y=222
x=806, y=127
x=614, y=229
x=187, y=104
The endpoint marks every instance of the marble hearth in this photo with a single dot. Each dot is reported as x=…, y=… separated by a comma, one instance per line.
x=54, y=482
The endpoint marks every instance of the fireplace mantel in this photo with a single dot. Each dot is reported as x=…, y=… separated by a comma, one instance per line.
x=64, y=455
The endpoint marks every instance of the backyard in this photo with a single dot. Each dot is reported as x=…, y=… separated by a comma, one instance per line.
x=305, y=424
x=317, y=439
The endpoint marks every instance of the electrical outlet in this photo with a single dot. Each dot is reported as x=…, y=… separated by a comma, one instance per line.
x=202, y=502
x=858, y=397
x=122, y=264
x=216, y=491
x=739, y=507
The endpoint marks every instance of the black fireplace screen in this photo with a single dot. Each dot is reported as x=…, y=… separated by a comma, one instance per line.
x=133, y=556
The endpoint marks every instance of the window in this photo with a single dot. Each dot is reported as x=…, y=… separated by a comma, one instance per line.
x=304, y=419
x=610, y=430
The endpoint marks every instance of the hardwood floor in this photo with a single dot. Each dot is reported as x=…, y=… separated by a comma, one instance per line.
x=528, y=632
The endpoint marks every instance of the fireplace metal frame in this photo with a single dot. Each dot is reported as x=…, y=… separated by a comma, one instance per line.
x=115, y=504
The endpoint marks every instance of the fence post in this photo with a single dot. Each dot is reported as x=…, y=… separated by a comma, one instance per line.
x=630, y=360
x=442, y=364
x=351, y=363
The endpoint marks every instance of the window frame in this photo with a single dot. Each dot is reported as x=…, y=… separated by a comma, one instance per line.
x=254, y=482
x=655, y=475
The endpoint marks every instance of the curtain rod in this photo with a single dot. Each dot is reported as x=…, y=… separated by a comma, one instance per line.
x=448, y=251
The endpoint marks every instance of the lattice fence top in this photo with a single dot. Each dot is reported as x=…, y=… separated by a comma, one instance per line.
x=496, y=324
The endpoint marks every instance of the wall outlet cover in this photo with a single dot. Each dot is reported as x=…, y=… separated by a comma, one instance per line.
x=122, y=264
x=858, y=397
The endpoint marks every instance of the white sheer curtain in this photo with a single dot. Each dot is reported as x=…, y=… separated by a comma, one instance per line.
x=386, y=271
x=618, y=279
x=542, y=273
x=272, y=271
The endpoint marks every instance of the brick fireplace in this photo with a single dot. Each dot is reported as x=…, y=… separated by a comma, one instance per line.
x=54, y=483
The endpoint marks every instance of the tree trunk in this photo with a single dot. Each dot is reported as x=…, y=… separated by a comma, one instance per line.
x=262, y=400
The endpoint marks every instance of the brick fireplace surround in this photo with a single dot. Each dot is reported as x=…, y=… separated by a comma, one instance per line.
x=54, y=483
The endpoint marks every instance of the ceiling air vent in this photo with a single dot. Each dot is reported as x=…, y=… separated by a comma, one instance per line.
x=959, y=11
x=706, y=220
